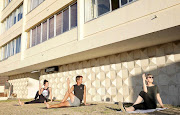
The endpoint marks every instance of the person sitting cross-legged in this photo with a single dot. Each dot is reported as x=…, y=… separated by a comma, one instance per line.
x=150, y=95
x=76, y=98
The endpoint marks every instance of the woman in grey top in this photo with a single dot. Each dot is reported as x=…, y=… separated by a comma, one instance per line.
x=150, y=95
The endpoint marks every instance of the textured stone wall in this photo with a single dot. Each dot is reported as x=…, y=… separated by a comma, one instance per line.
x=22, y=85
x=118, y=77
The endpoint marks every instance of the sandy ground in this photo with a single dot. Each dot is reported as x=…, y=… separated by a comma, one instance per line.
x=10, y=107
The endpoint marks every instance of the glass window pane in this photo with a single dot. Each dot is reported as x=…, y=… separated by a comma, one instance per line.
x=51, y=27
x=66, y=20
x=103, y=6
x=38, y=40
x=33, y=37
x=130, y=0
x=9, y=50
x=44, y=32
x=5, y=52
x=90, y=10
x=13, y=47
x=59, y=24
x=123, y=2
x=14, y=17
x=115, y=4
x=20, y=44
x=74, y=15
x=17, y=46
x=35, y=3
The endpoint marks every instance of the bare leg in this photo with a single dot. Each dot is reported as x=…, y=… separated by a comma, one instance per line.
x=138, y=100
x=131, y=108
x=62, y=104
x=65, y=97
x=21, y=103
x=71, y=95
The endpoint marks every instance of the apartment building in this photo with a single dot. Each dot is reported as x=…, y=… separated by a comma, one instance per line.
x=109, y=42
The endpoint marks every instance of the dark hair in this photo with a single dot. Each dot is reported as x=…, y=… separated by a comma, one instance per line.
x=45, y=81
x=147, y=75
x=78, y=77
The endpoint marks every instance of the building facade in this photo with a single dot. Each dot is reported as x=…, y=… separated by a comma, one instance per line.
x=111, y=43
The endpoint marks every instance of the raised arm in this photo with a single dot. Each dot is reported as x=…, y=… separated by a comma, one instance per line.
x=159, y=100
x=144, y=83
x=70, y=90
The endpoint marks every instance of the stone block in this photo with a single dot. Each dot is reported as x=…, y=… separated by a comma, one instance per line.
x=145, y=62
x=101, y=91
x=111, y=75
x=100, y=76
x=161, y=61
x=117, y=82
x=92, y=91
x=112, y=91
x=106, y=83
x=96, y=83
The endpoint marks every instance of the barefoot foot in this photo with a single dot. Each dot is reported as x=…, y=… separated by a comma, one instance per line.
x=47, y=105
x=21, y=103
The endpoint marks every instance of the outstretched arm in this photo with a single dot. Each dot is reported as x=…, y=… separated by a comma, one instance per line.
x=159, y=100
x=84, y=98
x=144, y=83
x=50, y=93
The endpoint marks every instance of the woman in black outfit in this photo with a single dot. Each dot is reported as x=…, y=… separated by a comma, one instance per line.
x=43, y=94
x=150, y=95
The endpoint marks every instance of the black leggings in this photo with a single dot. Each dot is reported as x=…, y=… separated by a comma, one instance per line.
x=147, y=104
x=40, y=100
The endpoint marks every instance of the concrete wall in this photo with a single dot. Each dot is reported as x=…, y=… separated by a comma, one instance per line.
x=117, y=77
x=25, y=85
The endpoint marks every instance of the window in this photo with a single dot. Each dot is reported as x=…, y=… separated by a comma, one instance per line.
x=103, y=6
x=18, y=45
x=33, y=37
x=66, y=20
x=90, y=10
x=15, y=13
x=59, y=24
x=15, y=16
x=35, y=3
x=6, y=2
x=38, y=40
x=123, y=2
x=44, y=32
x=115, y=4
x=9, y=50
x=51, y=27
x=5, y=52
x=74, y=15
x=12, y=48
x=95, y=8
x=40, y=1
x=55, y=25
